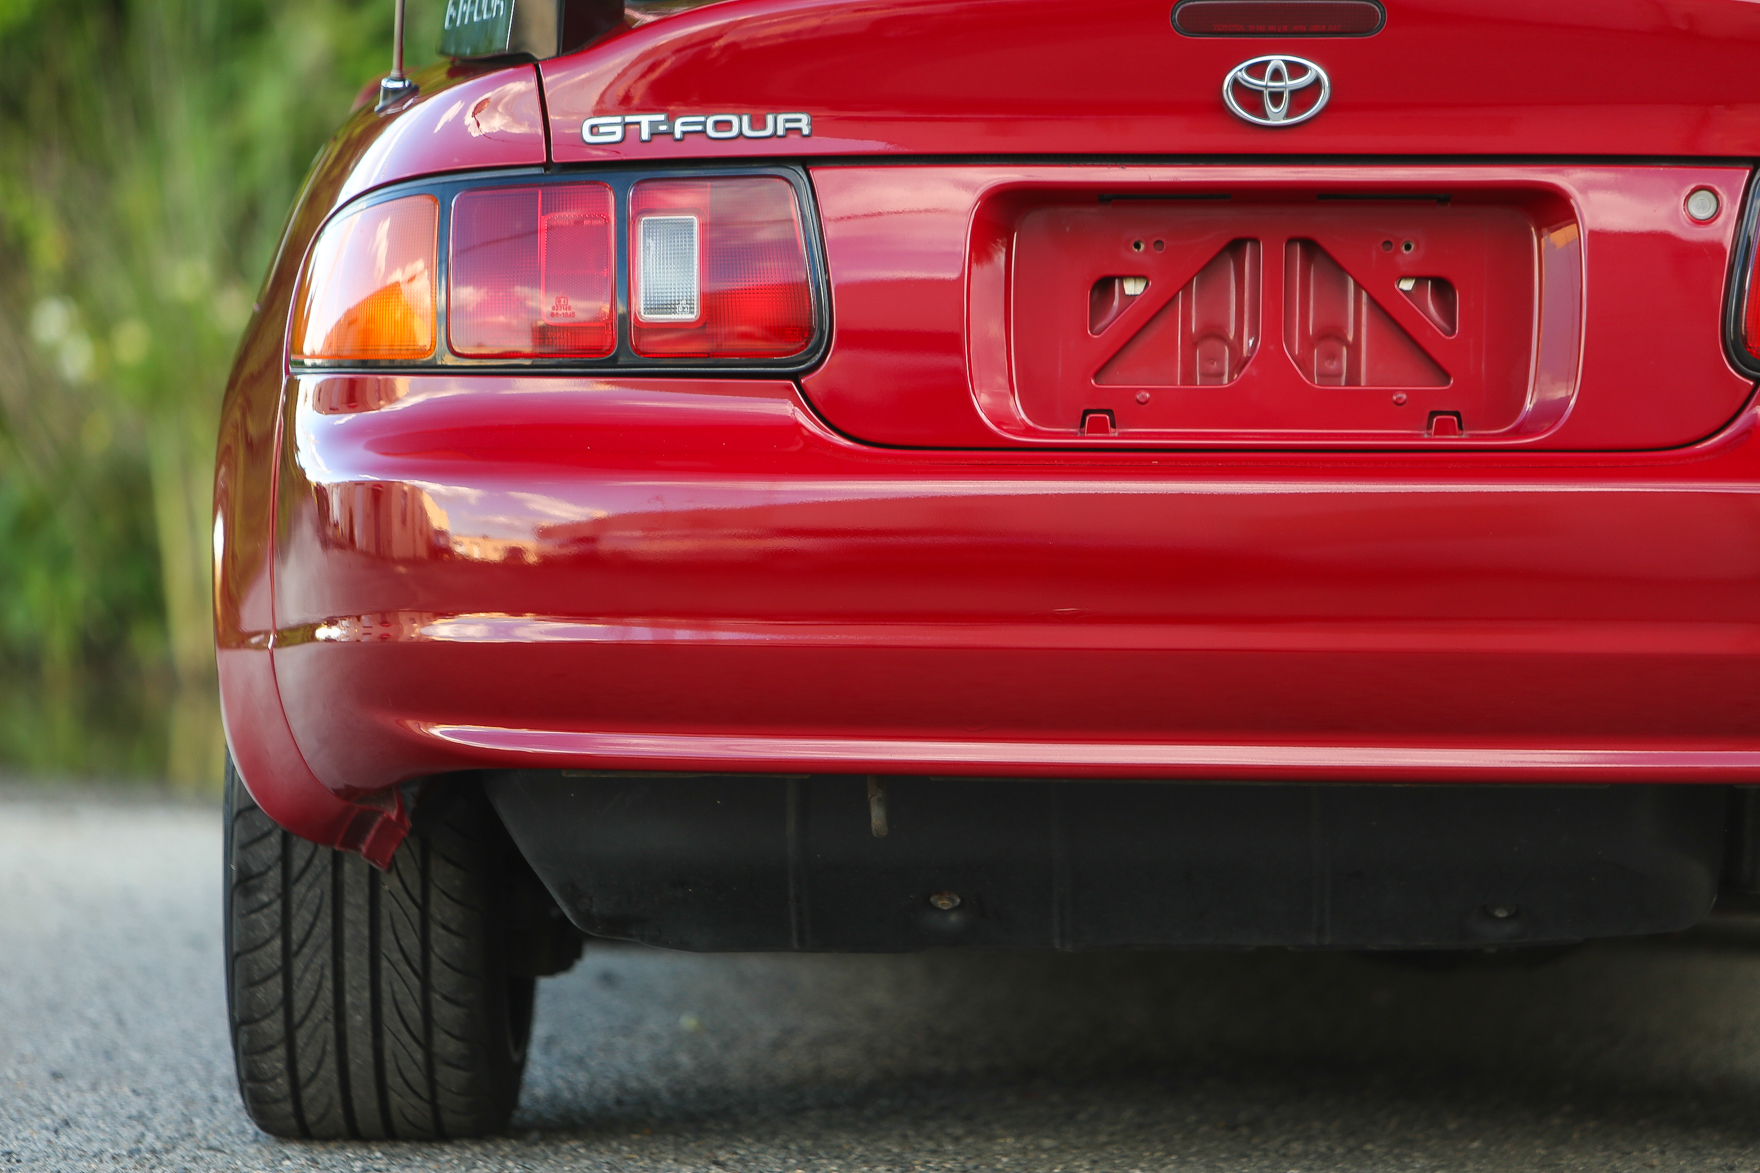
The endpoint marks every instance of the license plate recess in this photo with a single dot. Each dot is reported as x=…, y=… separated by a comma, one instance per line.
x=1356, y=317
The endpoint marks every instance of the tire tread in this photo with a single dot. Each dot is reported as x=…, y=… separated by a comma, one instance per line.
x=368, y=1005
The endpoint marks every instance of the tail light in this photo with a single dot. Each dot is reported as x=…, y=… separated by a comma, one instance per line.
x=1743, y=314
x=368, y=290
x=1751, y=314
x=720, y=270
x=532, y=272
x=715, y=271
x=1751, y=324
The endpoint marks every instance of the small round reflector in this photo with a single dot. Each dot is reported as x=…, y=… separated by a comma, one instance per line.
x=1703, y=205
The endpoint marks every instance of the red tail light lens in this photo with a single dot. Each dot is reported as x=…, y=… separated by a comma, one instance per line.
x=531, y=273
x=712, y=271
x=1751, y=312
x=368, y=289
x=718, y=269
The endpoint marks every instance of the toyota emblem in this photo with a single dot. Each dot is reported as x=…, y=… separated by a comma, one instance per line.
x=1276, y=90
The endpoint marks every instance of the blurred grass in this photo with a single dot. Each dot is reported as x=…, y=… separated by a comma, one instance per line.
x=149, y=152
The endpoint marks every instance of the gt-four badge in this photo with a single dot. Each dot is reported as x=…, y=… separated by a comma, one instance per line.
x=611, y=128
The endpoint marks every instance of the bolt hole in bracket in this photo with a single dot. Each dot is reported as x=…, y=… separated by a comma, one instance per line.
x=1435, y=298
x=1110, y=297
x=1274, y=315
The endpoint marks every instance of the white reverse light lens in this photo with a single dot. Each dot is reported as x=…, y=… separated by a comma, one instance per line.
x=667, y=280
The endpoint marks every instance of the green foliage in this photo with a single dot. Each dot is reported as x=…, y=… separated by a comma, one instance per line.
x=149, y=151
x=14, y=12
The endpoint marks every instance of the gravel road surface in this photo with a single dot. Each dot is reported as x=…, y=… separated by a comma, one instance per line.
x=1640, y=1056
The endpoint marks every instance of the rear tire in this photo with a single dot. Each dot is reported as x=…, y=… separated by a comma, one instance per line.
x=375, y=1005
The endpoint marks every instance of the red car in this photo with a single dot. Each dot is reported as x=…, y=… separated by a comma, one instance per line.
x=1011, y=474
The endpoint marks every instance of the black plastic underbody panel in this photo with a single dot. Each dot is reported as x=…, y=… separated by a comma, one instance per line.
x=716, y=862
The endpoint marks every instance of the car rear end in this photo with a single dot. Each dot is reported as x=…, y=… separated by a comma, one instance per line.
x=880, y=475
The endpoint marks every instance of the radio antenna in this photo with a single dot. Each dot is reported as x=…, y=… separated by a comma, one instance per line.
x=396, y=86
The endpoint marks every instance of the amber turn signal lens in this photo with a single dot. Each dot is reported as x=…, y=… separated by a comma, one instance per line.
x=368, y=289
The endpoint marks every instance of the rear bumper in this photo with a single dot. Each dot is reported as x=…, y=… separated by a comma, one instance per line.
x=766, y=863
x=649, y=574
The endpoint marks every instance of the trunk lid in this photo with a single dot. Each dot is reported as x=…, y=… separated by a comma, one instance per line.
x=1113, y=77
x=1117, y=259
x=1241, y=306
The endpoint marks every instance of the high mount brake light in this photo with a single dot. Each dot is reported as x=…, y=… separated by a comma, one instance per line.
x=719, y=269
x=711, y=271
x=368, y=289
x=532, y=273
x=1278, y=18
